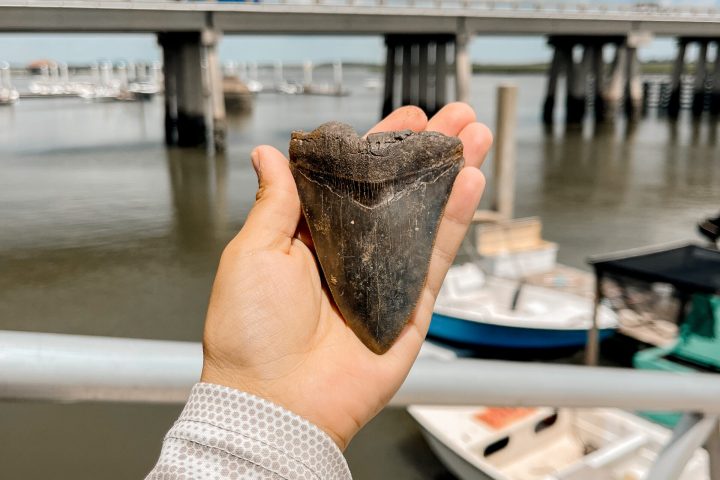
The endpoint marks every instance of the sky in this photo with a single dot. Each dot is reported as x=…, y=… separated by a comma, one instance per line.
x=20, y=49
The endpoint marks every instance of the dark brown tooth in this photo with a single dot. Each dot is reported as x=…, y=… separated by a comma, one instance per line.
x=373, y=206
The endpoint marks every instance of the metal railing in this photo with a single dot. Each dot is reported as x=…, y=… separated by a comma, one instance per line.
x=73, y=368
x=570, y=7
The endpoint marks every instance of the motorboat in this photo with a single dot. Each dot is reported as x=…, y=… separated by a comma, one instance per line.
x=512, y=443
x=481, y=310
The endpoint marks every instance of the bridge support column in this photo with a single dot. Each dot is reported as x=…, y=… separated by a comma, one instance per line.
x=390, y=62
x=194, y=108
x=613, y=93
x=576, y=88
x=440, y=76
x=463, y=66
x=698, y=102
x=676, y=80
x=715, y=95
x=214, y=93
x=598, y=70
x=423, y=70
x=633, y=86
x=559, y=63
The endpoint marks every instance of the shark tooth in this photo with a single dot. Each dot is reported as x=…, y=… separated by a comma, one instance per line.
x=373, y=206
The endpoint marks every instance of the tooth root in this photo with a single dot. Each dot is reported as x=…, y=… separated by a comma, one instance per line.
x=373, y=207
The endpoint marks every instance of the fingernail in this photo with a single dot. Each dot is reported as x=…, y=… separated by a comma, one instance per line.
x=255, y=158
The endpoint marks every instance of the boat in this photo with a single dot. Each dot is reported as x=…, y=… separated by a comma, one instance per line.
x=476, y=309
x=502, y=443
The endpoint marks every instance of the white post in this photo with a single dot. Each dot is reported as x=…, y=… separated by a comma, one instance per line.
x=504, y=159
x=279, y=77
x=5, y=80
x=307, y=73
x=690, y=434
x=243, y=72
x=338, y=76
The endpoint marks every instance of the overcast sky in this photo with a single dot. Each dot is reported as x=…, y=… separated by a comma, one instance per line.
x=20, y=49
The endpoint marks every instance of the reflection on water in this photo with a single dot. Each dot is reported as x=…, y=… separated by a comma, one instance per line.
x=105, y=232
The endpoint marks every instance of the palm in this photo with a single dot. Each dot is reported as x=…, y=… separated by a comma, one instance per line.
x=273, y=329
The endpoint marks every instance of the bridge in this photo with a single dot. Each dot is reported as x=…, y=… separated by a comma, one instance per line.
x=426, y=45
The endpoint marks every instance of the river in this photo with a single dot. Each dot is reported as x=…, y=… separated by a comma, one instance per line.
x=103, y=231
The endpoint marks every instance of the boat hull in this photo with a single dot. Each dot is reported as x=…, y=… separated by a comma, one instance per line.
x=499, y=336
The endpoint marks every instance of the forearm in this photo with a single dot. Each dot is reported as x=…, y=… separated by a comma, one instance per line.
x=225, y=433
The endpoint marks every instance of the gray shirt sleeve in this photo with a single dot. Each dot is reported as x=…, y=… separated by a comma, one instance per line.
x=227, y=434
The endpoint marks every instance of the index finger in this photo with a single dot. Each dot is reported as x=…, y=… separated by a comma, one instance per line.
x=404, y=118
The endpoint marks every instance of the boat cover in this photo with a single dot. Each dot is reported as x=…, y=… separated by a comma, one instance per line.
x=689, y=268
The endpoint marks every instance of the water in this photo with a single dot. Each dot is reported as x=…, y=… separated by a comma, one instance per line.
x=105, y=232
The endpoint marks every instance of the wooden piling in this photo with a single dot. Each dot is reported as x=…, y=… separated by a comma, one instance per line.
x=504, y=160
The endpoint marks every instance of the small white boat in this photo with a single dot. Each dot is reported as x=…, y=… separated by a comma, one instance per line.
x=8, y=93
x=476, y=309
x=372, y=83
x=486, y=443
x=8, y=96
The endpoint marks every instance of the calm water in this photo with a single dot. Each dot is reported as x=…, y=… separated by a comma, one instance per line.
x=105, y=232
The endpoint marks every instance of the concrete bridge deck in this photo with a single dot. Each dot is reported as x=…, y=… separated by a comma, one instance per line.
x=372, y=17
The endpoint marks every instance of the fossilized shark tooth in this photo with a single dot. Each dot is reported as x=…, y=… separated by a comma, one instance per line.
x=373, y=206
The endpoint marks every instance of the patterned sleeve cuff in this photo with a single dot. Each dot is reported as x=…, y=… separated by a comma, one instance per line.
x=260, y=432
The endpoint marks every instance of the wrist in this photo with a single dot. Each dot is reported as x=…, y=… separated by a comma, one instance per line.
x=290, y=401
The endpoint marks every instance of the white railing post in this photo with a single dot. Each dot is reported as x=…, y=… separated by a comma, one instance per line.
x=690, y=434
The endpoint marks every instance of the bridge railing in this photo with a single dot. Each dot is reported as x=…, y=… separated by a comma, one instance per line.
x=651, y=7
x=66, y=368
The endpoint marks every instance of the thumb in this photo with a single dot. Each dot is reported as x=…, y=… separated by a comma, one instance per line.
x=272, y=222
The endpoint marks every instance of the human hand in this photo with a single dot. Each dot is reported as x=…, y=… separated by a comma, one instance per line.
x=273, y=330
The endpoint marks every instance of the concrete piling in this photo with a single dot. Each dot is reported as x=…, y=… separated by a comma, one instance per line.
x=463, y=65
x=613, y=91
x=213, y=91
x=194, y=107
x=576, y=88
x=698, y=101
x=633, y=86
x=440, y=75
x=423, y=70
x=598, y=73
x=715, y=93
x=557, y=66
x=676, y=80
x=389, y=94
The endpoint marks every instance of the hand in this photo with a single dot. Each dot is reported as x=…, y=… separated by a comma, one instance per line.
x=272, y=329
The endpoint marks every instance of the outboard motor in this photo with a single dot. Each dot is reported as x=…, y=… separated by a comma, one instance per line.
x=710, y=228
